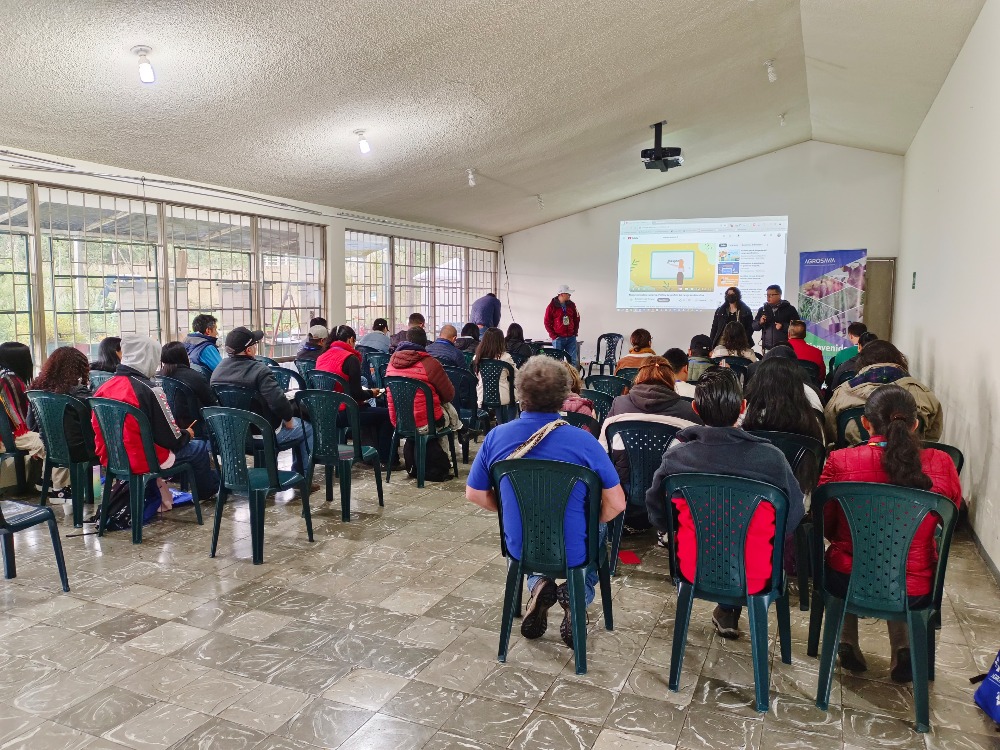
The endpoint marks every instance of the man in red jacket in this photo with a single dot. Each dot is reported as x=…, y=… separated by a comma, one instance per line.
x=804, y=351
x=562, y=323
x=411, y=360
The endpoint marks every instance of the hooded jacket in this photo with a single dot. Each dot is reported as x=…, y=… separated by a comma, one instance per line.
x=309, y=351
x=635, y=358
x=730, y=451
x=743, y=316
x=554, y=325
x=783, y=313
x=411, y=361
x=202, y=350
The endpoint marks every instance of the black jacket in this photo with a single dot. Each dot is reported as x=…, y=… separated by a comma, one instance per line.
x=744, y=316
x=80, y=448
x=783, y=313
x=247, y=372
x=199, y=384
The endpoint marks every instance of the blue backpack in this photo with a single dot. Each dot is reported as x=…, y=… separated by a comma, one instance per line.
x=987, y=695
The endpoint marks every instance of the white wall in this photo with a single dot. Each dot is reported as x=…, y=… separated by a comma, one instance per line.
x=951, y=191
x=835, y=198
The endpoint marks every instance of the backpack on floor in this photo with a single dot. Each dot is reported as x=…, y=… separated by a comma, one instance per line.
x=987, y=695
x=438, y=465
x=119, y=508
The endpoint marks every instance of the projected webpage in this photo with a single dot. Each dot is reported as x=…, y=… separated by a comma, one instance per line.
x=687, y=264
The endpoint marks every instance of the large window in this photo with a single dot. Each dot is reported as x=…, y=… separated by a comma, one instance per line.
x=391, y=277
x=16, y=243
x=292, y=272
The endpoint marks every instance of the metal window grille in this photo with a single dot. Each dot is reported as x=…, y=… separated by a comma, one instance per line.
x=369, y=279
x=16, y=245
x=482, y=273
x=292, y=278
x=413, y=282
x=451, y=300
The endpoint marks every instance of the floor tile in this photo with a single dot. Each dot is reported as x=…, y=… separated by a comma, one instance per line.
x=423, y=703
x=159, y=727
x=365, y=688
x=388, y=733
x=265, y=708
x=325, y=723
x=485, y=718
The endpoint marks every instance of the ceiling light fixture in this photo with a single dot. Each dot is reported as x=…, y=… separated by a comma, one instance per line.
x=772, y=76
x=362, y=141
x=146, y=74
x=472, y=177
x=541, y=203
x=781, y=119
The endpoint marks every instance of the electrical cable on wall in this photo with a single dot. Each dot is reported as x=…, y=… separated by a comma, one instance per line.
x=503, y=258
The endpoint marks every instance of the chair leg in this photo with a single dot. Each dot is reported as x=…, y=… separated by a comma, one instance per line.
x=815, y=621
x=615, y=528
x=330, y=471
x=257, y=526
x=378, y=482
x=392, y=454
x=465, y=451
x=782, y=607
x=57, y=548
x=835, y=609
x=682, y=618
x=604, y=576
x=757, y=620
x=510, y=595
x=802, y=558
x=220, y=502
x=931, y=648
x=20, y=473
x=578, y=615
x=46, y=481
x=137, y=496
x=194, y=495
x=306, y=512
x=102, y=516
x=345, y=490
x=79, y=473
x=420, y=457
x=918, y=627
x=9, y=564
x=454, y=457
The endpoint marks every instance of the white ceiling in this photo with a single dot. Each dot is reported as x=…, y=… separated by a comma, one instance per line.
x=542, y=97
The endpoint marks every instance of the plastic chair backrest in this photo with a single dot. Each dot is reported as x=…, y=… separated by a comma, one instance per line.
x=797, y=450
x=111, y=416
x=589, y=424
x=98, y=378
x=490, y=371
x=520, y=359
x=610, y=384
x=883, y=519
x=612, y=347
x=323, y=406
x=645, y=444
x=231, y=430
x=321, y=380
x=536, y=346
x=286, y=377
x=469, y=356
x=812, y=370
x=542, y=490
x=551, y=351
x=721, y=508
x=50, y=408
x=953, y=453
x=602, y=402
x=6, y=429
x=198, y=368
x=404, y=395
x=305, y=366
x=845, y=418
x=266, y=360
x=377, y=364
x=183, y=401
x=466, y=400
x=628, y=373
x=236, y=397
x=739, y=365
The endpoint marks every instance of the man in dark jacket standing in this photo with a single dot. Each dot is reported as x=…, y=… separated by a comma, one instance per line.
x=721, y=448
x=240, y=368
x=202, y=342
x=562, y=323
x=773, y=317
x=734, y=309
x=485, y=311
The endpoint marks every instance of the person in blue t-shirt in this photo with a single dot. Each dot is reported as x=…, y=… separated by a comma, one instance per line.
x=541, y=386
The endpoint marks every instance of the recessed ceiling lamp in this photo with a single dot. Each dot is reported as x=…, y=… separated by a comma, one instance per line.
x=146, y=74
x=472, y=177
x=771, y=75
x=781, y=119
x=362, y=141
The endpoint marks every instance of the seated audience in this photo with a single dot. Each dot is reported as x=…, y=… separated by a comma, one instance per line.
x=318, y=322
x=341, y=358
x=16, y=372
x=492, y=347
x=785, y=351
x=854, y=332
x=202, y=342
x=679, y=366
x=443, y=348
x=719, y=447
x=416, y=320
x=133, y=384
x=878, y=364
x=733, y=342
x=469, y=339
x=312, y=347
x=805, y=352
x=651, y=399
x=640, y=351
x=411, y=360
x=698, y=357
x=241, y=369
x=851, y=365
x=515, y=343
x=574, y=401
x=775, y=403
x=109, y=355
x=378, y=336
x=892, y=455
x=174, y=363
x=541, y=389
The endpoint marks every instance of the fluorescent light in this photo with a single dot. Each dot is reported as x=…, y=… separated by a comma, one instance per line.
x=362, y=142
x=146, y=74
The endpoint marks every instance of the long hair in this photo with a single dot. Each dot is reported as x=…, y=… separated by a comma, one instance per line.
x=66, y=368
x=109, y=354
x=515, y=334
x=172, y=356
x=640, y=339
x=470, y=330
x=656, y=371
x=492, y=346
x=880, y=352
x=16, y=357
x=734, y=337
x=776, y=400
x=892, y=412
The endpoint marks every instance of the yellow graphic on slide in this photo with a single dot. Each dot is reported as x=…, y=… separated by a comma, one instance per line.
x=673, y=267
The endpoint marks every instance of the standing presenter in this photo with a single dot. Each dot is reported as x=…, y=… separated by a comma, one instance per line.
x=562, y=323
x=772, y=319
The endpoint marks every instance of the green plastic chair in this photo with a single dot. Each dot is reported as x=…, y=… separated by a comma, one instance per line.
x=231, y=428
x=100, y=377
x=328, y=448
x=111, y=416
x=469, y=356
x=612, y=344
x=18, y=517
x=377, y=365
x=490, y=371
x=321, y=380
x=721, y=508
x=520, y=359
x=645, y=444
x=954, y=453
x=305, y=366
x=801, y=452
x=845, y=418
x=602, y=402
x=844, y=377
x=628, y=373
x=739, y=365
x=551, y=351
x=466, y=403
x=542, y=491
x=403, y=392
x=266, y=360
x=198, y=368
x=286, y=378
x=536, y=346
x=50, y=409
x=10, y=450
x=182, y=400
x=245, y=399
x=883, y=520
x=610, y=384
x=812, y=371
x=584, y=422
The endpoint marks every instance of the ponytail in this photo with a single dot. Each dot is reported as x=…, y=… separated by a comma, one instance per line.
x=892, y=412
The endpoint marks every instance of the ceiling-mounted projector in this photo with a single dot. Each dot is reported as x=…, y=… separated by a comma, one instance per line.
x=660, y=157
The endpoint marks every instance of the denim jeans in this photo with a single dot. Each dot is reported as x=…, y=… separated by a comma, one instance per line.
x=590, y=579
x=568, y=345
x=299, y=439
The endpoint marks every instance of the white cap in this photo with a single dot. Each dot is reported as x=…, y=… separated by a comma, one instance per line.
x=319, y=332
x=564, y=289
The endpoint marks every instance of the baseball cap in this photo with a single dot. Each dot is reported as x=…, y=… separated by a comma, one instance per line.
x=318, y=332
x=701, y=343
x=238, y=339
x=564, y=289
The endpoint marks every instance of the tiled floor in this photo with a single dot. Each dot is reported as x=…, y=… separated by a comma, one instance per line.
x=383, y=634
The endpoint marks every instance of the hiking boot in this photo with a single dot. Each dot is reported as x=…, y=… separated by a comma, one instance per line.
x=566, y=626
x=903, y=671
x=851, y=657
x=535, y=620
x=727, y=622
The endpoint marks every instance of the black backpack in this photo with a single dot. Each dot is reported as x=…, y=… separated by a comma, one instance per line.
x=438, y=465
x=119, y=508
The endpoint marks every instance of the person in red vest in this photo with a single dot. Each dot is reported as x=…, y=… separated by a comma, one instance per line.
x=341, y=358
x=804, y=351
